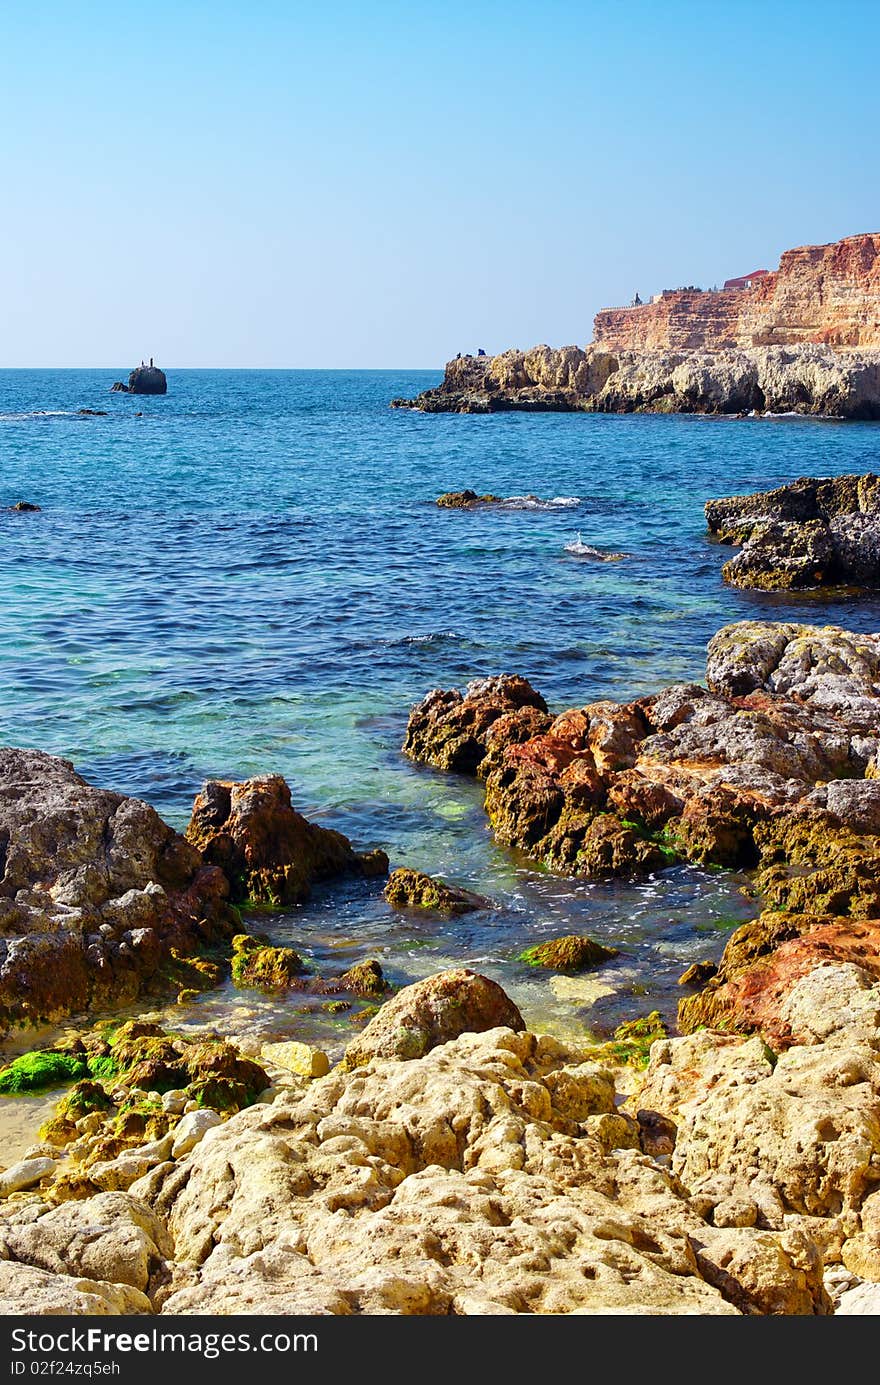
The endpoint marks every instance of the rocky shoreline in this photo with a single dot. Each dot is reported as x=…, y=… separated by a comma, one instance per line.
x=811, y=379
x=453, y=1162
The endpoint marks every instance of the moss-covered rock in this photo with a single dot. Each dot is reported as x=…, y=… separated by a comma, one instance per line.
x=571, y=953
x=42, y=1068
x=364, y=979
x=412, y=889
x=258, y=965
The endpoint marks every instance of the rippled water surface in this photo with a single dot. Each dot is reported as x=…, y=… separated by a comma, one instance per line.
x=248, y=575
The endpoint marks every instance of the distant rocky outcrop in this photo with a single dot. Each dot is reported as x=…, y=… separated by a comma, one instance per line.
x=805, y=339
x=144, y=379
x=147, y=379
x=811, y=533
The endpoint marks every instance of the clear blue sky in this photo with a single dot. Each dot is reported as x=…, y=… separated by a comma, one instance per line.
x=385, y=184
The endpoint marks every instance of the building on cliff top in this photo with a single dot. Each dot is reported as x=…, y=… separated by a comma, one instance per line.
x=745, y=281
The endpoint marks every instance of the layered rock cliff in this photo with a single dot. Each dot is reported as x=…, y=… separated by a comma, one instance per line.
x=820, y=293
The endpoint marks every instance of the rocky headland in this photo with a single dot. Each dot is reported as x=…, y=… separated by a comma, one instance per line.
x=812, y=533
x=804, y=339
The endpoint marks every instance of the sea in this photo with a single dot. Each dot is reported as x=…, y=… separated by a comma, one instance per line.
x=249, y=575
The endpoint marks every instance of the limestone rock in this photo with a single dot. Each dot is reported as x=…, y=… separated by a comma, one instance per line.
x=297, y=1057
x=25, y=1174
x=811, y=533
x=193, y=1128
x=26, y=1291
x=110, y=1237
x=269, y=851
x=431, y=1012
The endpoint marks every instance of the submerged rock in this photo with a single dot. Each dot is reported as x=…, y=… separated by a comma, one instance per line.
x=412, y=889
x=811, y=533
x=364, y=979
x=270, y=852
x=465, y=500
x=431, y=1012
x=24, y=507
x=97, y=894
x=571, y=953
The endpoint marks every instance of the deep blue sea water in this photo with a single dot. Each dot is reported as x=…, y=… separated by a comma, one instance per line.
x=249, y=575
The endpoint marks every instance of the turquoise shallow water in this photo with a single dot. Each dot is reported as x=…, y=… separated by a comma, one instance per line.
x=250, y=576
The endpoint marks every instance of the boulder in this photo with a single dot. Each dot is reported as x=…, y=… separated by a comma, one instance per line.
x=450, y=730
x=270, y=852
x=111, y=1237
x=25, y=1174
x=571, y=953
x=29, y=1292
x=814, y=532
x=297, y=1058
x=432, y=1012
x=97, y=895
x=257, y=964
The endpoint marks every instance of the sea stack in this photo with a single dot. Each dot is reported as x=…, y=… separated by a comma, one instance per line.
x=147, y=379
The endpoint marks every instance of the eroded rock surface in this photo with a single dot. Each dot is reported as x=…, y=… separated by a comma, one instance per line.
x=811, y=533
x=98, y=897
x=269, y=851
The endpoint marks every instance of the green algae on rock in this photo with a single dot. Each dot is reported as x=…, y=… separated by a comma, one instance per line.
x=31, y=1072
x=631, y=1041
x=571, y=953
x=259, y=965
x=412, y=889
x=363, y=979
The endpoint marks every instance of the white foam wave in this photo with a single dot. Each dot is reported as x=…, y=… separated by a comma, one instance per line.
x=579, y=549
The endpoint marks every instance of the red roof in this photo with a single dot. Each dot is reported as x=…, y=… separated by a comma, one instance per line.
x=744, y=279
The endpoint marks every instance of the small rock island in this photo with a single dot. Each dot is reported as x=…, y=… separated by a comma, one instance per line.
x=144, y=379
